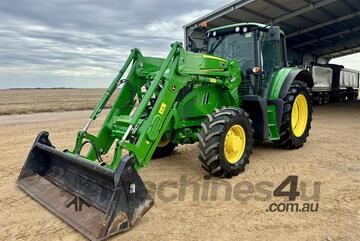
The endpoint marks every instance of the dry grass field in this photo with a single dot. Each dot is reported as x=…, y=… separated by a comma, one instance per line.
x=331, y=156
x=25, y=101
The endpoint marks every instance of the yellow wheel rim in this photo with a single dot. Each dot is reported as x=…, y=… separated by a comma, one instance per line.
x=164, y=142
x=299, y=115
x=235, y=142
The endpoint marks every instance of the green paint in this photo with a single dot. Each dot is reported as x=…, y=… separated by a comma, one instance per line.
x=212, y=83
x=277, y=80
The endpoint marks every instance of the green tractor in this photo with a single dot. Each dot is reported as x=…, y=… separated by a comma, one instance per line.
x=240, y=90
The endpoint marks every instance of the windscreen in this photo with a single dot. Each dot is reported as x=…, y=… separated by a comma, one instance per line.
x=235, y=46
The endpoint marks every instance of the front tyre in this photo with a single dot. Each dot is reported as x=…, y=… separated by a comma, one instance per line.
x=225, y=142
x=297, y=117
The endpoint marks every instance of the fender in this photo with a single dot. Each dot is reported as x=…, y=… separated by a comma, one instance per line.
x=282, y=80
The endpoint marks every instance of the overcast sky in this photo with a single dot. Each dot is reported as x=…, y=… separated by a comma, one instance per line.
x=80, y=43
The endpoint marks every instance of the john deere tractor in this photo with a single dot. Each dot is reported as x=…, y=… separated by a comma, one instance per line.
x=237, y=91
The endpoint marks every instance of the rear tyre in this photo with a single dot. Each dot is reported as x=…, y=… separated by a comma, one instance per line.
x=320, y=99
x=343, y=96
x=326, y=98
x=297, y=117
x=350, y=94
x=225, y=142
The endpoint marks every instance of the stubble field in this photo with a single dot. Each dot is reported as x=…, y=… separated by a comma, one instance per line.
x=25, y=101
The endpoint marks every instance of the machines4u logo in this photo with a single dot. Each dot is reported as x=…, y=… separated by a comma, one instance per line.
x=292, y=190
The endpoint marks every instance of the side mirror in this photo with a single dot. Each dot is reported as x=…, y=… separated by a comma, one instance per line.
x=274, y=33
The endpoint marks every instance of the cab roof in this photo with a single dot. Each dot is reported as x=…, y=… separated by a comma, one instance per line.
x=244, y=24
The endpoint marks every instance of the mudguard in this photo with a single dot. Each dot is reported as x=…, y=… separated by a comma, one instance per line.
x=283, y=79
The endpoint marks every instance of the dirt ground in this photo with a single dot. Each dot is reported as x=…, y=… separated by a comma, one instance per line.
x=331, y=156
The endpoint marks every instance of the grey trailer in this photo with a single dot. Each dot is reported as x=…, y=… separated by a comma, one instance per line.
x=349, y=84
x=321, y=91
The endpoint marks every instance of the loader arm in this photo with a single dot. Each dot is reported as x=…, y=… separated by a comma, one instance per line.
x=138, y=128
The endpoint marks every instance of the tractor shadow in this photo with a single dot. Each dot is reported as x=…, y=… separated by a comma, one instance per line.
x=184, y=160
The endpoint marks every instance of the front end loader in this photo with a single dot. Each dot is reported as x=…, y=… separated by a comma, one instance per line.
x=235, y=93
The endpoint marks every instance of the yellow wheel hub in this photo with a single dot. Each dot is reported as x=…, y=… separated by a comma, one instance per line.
x=235, y=142
x=299, y=115
x=164, y=142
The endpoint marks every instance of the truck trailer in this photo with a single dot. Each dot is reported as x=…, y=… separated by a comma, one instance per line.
x=334, y=83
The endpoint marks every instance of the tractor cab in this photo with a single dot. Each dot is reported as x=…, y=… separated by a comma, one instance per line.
x=259, y=49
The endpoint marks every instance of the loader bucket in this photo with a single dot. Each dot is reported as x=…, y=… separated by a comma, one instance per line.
x=94, y=200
